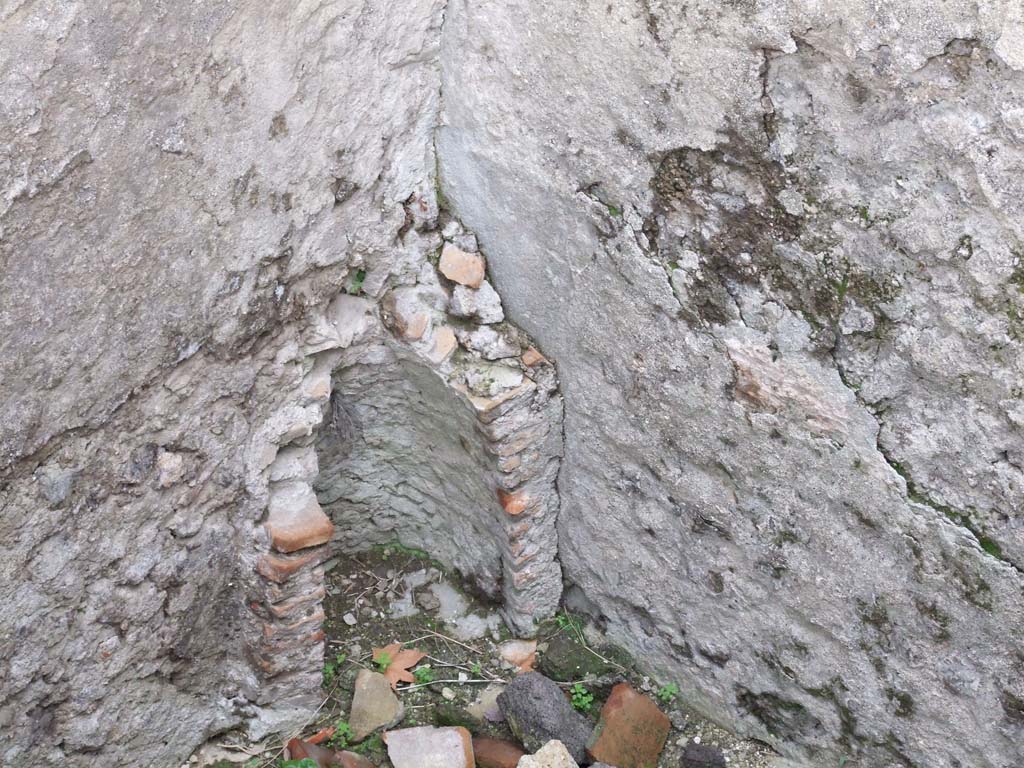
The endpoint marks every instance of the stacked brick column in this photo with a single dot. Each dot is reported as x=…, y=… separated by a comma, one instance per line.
x=523, y=430
x=289, y=650
x=294, y=537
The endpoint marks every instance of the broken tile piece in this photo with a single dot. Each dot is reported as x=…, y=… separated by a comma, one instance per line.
x=496, y=753
x=461, y=267
x=521, y=654
x=631, y=732
x=323, y=757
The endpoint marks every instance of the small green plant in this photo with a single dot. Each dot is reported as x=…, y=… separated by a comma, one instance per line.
x=342, y=734
x=332, y=667
x=477, y=670
x=668, y=693
x=383, y=661
x=582, y=699
x=355, y=285
x=303, y=763
x=423, y=675
x=373, y=744
x=569, y=623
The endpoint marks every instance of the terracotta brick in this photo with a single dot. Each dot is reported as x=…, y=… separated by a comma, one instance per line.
x=295, y=655
x=520, y=578
x=521, y=560
x=631, y=732
x=523, y=439
x=276, y=629
x=509, y=463
x=461, y=267
x=490, y=408
x=275, y=658
x=532, y=357
x=278, y=569
x=295, y=521
x=288, y=608
x=514, y=503
x=496, y=753
x=516, y=532
x=301, y=583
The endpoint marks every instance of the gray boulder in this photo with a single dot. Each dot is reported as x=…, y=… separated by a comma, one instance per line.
x=537, y=711
x=702, y=756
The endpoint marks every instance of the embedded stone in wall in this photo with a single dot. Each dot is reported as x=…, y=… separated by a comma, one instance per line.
x=461, y=267
x=295, y=520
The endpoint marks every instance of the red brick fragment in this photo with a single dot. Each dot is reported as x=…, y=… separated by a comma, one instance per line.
x=496, y=753
x=278, y=569
x=532, y=357
x=513, y=503
x=631, y=732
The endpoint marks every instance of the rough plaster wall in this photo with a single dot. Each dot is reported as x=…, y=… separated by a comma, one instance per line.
x=776, y=251
x=401, y=459
x=182, y=187
x=790, y=347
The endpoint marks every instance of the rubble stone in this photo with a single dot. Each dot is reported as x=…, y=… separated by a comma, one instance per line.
x=482, y=304
x=429, y=747
x=374, y=705
x=537, y=712
x=551, y=755
x=496, y=753
x=702, y=756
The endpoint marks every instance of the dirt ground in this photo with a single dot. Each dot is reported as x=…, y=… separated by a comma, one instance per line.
x=394, y=594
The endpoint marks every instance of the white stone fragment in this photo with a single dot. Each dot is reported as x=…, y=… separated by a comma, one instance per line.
x=482, y=304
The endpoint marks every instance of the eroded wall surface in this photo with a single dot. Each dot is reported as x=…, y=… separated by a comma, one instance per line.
x=183, y=188
x=776, y=250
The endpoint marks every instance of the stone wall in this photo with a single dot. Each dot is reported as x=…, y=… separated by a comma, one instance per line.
x=774, y=251
x=184, y=192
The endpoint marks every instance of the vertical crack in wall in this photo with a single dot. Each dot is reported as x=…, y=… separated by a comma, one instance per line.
x=767, y=106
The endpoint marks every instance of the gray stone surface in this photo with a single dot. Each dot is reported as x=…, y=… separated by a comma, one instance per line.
x=774, y=249
x=183, y=189
x=537, y=711
x=775, y=252
x=702, y=756
x=404, y=461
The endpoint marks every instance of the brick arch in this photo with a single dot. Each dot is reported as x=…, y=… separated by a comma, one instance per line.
x=506, y=440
